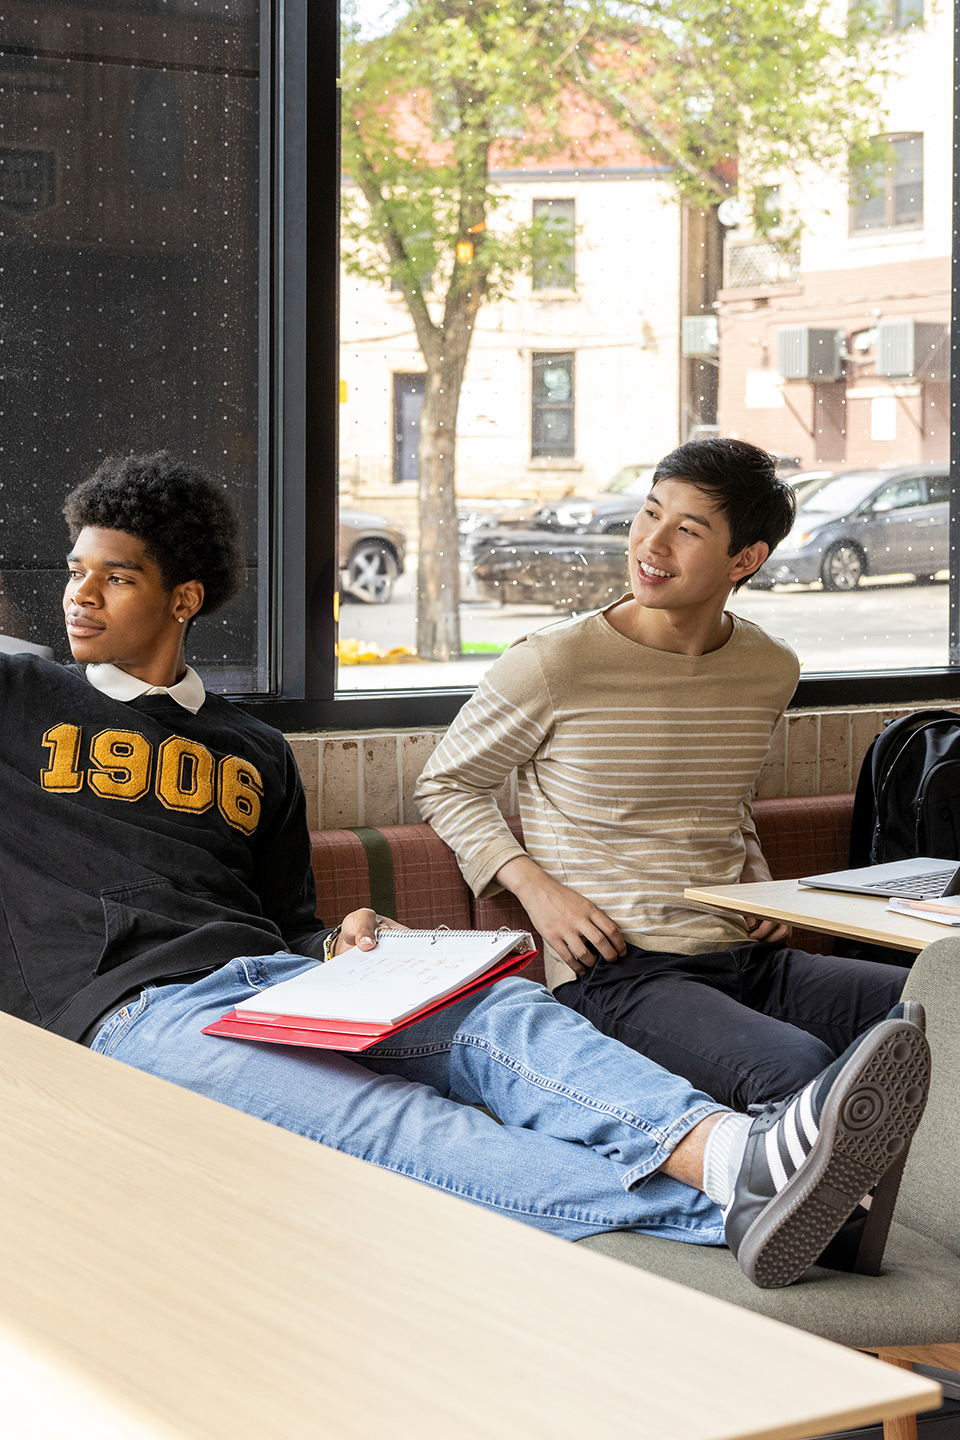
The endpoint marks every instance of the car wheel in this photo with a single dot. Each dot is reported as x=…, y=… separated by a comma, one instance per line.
x=842, y=567
x=371, y=570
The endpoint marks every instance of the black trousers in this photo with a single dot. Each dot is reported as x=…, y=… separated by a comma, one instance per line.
x=745, y=1025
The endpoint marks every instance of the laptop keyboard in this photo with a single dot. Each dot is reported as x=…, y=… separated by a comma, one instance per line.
x=917, y=887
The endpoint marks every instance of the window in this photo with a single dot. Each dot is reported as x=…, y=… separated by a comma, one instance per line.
x=596, y=336
x=223, y=183
x=552, y=429
x=553, y=268
x=905, y=12
x=898, y=497
x=130, y=222
x=890, y=193
x=893, y=14
x=407, y=404
x=767, y=206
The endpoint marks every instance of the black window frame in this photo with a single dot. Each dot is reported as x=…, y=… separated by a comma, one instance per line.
x=302, y=508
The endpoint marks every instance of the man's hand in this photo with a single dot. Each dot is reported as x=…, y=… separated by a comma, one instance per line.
x=567, y=921
x=758, y=929
x=756, y=869
x=360, y=929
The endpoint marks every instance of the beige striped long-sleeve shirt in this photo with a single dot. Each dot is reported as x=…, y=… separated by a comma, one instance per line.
x=636, y=768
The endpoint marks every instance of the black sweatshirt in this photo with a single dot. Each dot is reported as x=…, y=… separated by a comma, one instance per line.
x=138, y=843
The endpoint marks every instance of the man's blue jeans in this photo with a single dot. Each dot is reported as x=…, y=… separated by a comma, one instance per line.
x=586, y=1122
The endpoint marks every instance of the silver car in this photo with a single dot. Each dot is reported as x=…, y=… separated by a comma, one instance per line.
x=867, y=522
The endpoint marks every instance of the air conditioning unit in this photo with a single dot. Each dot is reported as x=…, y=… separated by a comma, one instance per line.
x=908, y=349
x=699, y=335
x=805, y=353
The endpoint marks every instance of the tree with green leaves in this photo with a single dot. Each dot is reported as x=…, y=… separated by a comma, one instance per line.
x=725, y=94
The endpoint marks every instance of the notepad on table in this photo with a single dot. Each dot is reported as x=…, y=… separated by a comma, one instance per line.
x=940, y=912
x=359, y=998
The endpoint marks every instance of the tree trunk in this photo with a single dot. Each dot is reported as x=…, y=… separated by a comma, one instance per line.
x=438, y=566
x=444, y=347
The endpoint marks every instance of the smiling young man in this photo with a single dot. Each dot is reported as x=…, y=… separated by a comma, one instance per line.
x=638, y=733
x=155, y=870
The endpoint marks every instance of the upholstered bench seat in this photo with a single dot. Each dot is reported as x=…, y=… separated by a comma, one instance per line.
x=412, y=865
x=916, y=1301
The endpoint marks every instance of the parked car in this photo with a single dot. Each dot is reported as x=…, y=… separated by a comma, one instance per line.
x=807, y=481
x=570, y=554
x=603, y=513
x=474, y=515
x=372, y=551
x=866, y=522
x=805, y=484
x=612, y=512
x=567, y=572
x=787, y=466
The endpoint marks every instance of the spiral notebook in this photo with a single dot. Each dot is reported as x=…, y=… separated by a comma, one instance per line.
x=359, y=998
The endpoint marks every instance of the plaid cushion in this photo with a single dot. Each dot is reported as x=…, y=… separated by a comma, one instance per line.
x=798, y=835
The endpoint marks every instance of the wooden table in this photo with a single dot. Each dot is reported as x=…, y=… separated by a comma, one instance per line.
x=831, y=912
x=169, y=1267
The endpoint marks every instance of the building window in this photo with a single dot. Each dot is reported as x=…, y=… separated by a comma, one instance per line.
x=407, y=404
x=893, y=14
x=552, y=405
x=905, y=12
x=553, y=265
x=767, y=207
x=890, y=193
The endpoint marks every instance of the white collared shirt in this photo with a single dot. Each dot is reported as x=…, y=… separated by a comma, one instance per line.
x=116, y=683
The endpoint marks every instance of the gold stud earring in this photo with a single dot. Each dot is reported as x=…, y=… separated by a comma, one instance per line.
x=180, y=618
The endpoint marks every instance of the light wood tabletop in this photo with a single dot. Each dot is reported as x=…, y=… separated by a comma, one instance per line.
x=172, y=1268
x=831, y=912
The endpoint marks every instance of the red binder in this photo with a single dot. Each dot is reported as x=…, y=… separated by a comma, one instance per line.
x=349, y=1036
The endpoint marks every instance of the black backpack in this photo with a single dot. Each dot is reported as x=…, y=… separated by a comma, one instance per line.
x=908, y=793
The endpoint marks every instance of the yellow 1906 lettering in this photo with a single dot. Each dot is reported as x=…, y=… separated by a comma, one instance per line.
x=185, y=775
x=239, y=787
x=120, y=764
x=188, y=776
x=62, y=775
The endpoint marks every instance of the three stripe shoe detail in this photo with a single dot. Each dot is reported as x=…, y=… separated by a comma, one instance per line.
x=789, y=1142
x=810, y=1159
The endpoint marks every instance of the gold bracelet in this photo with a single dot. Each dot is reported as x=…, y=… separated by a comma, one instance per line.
x=330, y=942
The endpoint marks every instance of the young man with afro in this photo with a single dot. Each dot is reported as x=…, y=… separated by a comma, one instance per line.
x=155, y=870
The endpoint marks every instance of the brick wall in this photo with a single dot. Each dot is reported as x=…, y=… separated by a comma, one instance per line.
x=366, y=777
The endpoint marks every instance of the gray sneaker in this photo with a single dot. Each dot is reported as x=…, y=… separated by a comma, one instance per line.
x=811, y=1159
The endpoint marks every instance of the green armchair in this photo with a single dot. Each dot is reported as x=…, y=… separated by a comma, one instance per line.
x=911, y=1311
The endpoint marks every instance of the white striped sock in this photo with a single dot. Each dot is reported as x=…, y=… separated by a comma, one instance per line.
x=723, y=1156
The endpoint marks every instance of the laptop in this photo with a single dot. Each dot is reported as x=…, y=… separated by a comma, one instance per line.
x=920, y=879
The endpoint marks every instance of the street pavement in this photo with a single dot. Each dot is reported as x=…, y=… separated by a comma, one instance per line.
x=886, y=624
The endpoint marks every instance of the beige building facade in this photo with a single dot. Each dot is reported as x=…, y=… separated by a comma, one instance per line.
x=602, y=347
x=836, y=350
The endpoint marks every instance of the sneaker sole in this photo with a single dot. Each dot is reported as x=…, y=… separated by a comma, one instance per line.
x=869, y=1118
